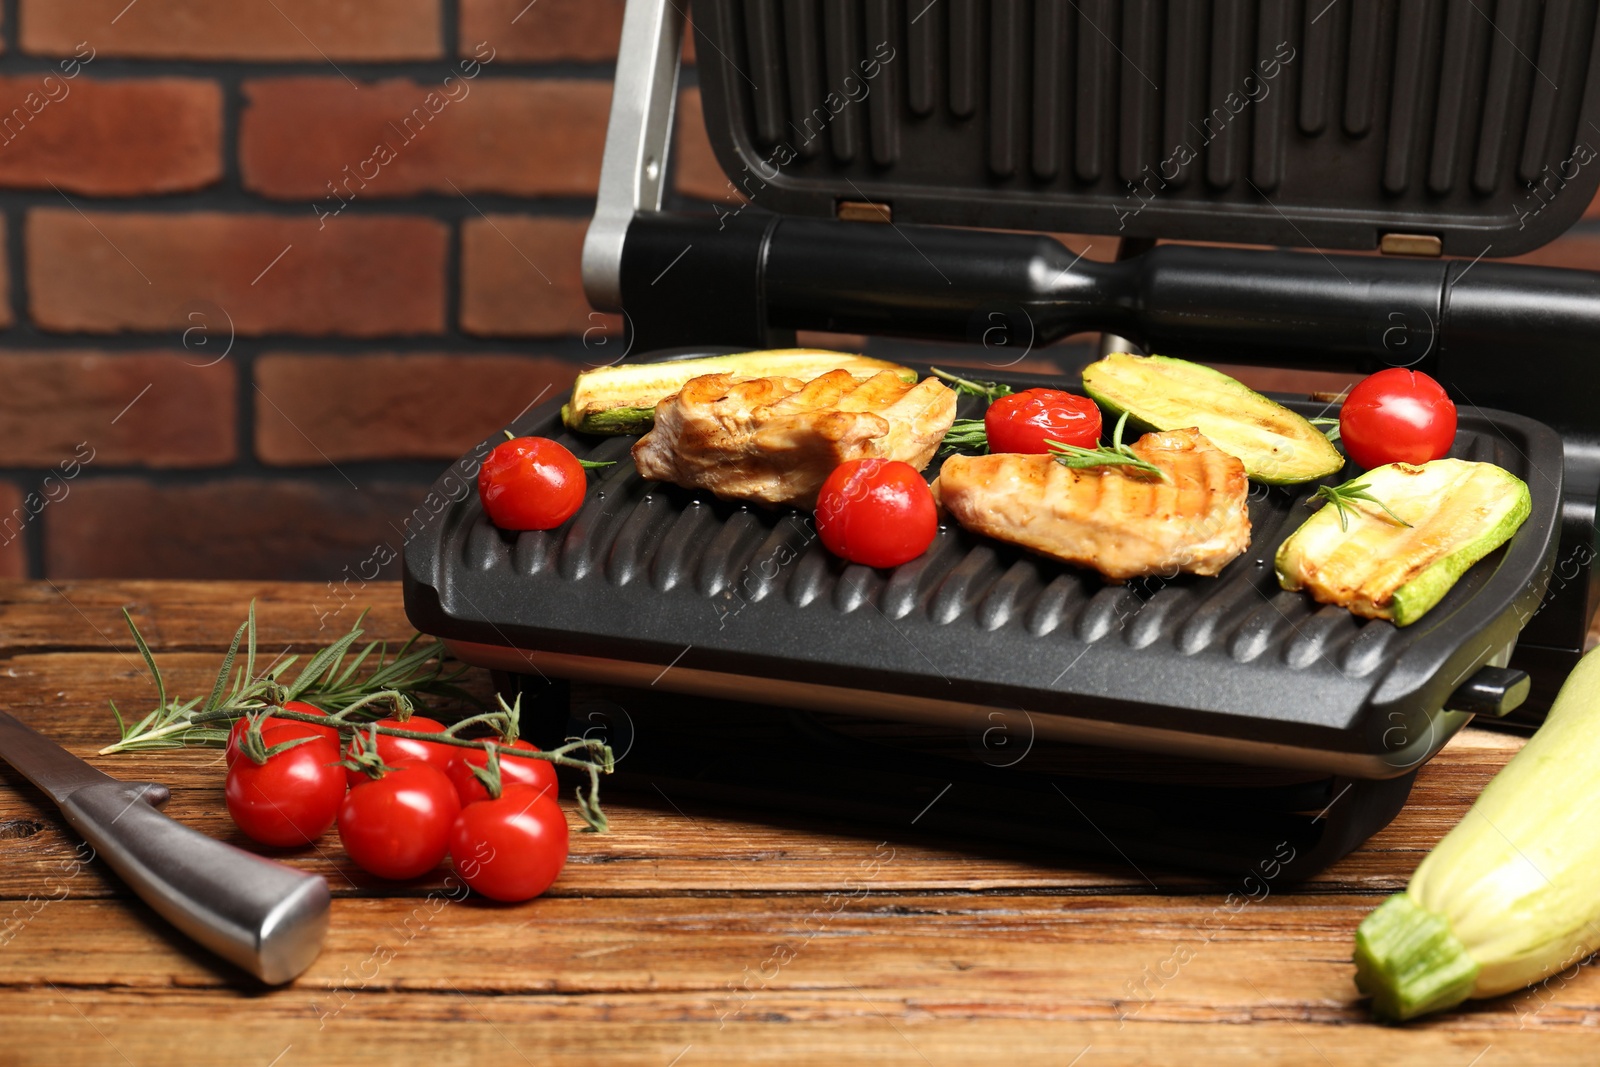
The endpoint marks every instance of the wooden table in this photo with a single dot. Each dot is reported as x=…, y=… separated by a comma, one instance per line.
x=688, y=938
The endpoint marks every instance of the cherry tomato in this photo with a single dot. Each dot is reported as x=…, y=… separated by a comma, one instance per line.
x=291, y=799
x=876, y=511
x=511, y=848
x=395, y=749
x=1023, y=422
x=398, y=826
x=531, y=483
x=1397, y=416
x=305, y=729
x=541, y=774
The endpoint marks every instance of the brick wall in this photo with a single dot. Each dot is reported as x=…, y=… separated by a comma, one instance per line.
x=266, y=270
x=239, y=337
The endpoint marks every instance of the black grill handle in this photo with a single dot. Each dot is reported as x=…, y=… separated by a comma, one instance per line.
x=746, y=279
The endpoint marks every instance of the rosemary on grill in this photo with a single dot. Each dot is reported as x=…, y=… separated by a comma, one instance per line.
x=966, y=435
x=1328, y=426
x=1344, y=497
x=990, y=391
x=1116, y=454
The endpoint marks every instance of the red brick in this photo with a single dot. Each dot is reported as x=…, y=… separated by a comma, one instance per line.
x=520, y=278
x=313, y=30
x=549, y=30
x=133, y=409
x=696, y=170
x=110, y=138
x=426, y=406
x=236, y=528
x=543, y=30
x=13, y=542
x=513, y=136
x=366, y=276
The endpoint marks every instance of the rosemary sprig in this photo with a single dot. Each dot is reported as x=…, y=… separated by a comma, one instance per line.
x=415, y=671
x=1344, y=497
x=990, y=391
x=966, y=435
x=1329, y=428
x=1116, y=455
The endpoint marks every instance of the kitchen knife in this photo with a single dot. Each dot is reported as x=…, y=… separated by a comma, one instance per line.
x=266, y=917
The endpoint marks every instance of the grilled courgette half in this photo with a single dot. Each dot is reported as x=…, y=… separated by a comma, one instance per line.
x=1275, y=445
x=1361, y=553
x=623, y=399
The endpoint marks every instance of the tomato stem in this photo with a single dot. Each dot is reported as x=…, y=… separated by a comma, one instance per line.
x=363, y=754
x=489, y=773
x=599, y=756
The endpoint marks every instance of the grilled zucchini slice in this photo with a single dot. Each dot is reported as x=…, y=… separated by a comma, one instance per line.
x=1459, y=512
x=622, y=399
x=1275, y=445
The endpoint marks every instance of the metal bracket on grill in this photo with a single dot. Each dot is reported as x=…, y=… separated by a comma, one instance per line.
x=634, y=167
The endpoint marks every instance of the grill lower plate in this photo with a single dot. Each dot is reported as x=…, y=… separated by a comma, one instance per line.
x=653, y=585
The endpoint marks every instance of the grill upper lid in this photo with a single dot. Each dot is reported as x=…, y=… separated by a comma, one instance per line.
x=1330, y=123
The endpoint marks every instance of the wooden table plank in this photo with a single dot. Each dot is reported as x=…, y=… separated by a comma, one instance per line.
x=191, y=615
x=690, y=935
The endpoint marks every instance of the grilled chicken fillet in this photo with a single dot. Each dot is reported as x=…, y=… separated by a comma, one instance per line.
x=774, y=440
x=1121, y=523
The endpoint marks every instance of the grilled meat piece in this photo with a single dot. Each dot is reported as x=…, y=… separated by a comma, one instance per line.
x=774, y=440
x=1121, y=523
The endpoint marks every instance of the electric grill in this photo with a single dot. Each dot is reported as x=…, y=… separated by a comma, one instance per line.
x=883, y=151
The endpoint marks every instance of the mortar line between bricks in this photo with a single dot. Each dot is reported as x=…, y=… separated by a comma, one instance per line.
x=232, y=116
x=567, y=348
x=243, y=202
x=12, y=36
x=245, y=412
x=450, y=26
x=17, y=265
x=379, y=473
x=33, y=539
x=426, y=70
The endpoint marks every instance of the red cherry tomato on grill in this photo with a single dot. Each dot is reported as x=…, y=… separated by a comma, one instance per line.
x=398, y=826
x=1023, y=422
x=876, y=511
x=305, y=729
x=511, y=848
x=541, y=774
x=395, y=749
x=291, y=799
x=531, y=483
x=1397, y=416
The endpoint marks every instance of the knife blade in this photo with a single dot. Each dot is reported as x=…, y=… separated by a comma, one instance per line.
x=265, y=917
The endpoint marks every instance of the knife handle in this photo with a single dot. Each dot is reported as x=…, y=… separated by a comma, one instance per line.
x=266, y=917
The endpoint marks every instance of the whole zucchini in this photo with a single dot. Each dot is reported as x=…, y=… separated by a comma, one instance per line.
x=1275, y=445
x=1512, y=894
x=623, y=399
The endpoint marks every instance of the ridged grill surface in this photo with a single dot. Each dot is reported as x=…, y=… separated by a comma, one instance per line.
x=1255, y=120
x=649, y=571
